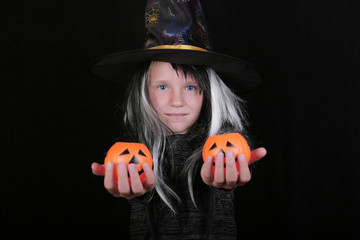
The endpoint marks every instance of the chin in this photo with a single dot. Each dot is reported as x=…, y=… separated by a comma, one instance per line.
x=180, y=130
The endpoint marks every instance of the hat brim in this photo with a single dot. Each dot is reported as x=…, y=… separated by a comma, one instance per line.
x=237, y=74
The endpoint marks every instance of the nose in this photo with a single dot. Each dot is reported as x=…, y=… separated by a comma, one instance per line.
x=176, y=99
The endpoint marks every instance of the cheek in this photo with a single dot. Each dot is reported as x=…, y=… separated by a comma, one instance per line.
x=157, y=101
x=196, y=102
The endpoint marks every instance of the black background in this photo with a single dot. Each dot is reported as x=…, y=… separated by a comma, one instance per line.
x=59, y=119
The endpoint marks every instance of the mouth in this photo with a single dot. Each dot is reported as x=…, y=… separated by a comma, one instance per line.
x=176, y=115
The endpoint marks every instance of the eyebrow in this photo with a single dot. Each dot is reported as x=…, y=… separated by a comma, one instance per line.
x=158, y=80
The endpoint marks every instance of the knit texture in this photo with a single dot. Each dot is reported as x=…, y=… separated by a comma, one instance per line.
x=152, y=219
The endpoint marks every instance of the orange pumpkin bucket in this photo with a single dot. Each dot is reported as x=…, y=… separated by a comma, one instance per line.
x=127, y=152
x=222, y=143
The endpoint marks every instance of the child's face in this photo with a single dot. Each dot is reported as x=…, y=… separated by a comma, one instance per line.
x=175, y=99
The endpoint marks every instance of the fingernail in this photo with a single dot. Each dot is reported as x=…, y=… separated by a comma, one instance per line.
x=109, y=165
x=145, y=166
x=122, y=166
x=230, y=154
x=242, y=158
x=132, y=168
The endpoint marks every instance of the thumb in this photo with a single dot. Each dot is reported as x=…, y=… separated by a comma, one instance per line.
x=257, y=154
x=98, y=169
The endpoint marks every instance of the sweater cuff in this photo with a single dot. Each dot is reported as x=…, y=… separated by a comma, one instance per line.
x=144, y=199
x=222, y=192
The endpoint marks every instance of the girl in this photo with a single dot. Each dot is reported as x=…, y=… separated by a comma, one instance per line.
x=176, y=101
x=173, y=109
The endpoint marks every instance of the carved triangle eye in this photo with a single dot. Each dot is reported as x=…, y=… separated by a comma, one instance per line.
x=141, y=153
x=213, y=146
x=126, y=151
x=229, y=144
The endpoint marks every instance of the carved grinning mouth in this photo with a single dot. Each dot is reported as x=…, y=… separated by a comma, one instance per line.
x=134, y=160
x=225, y=163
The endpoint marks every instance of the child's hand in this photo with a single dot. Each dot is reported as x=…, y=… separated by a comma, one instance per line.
x=232, y=178
x=122, y=188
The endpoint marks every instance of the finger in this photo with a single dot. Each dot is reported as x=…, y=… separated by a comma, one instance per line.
x=109, y=182
x=231, y=175
x=98, y=169
x=206, y=171
x=257, y=154
x=244, y=172
x=149, y=177
x=123, y=181
x=136, y=185
x=219, y=175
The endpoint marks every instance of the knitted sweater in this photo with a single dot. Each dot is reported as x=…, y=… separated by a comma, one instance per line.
x=152, y=219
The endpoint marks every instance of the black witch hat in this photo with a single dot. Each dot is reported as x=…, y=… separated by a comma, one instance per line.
x=176, y=33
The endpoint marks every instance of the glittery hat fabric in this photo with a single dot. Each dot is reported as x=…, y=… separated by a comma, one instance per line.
x=177, y=33
x=175, y=23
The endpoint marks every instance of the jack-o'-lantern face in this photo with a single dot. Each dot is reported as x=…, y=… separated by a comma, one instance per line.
x=225, y=142
x=136, y=153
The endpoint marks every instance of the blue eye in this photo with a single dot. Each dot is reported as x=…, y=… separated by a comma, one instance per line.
x=190, y=88
x=162, y=87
